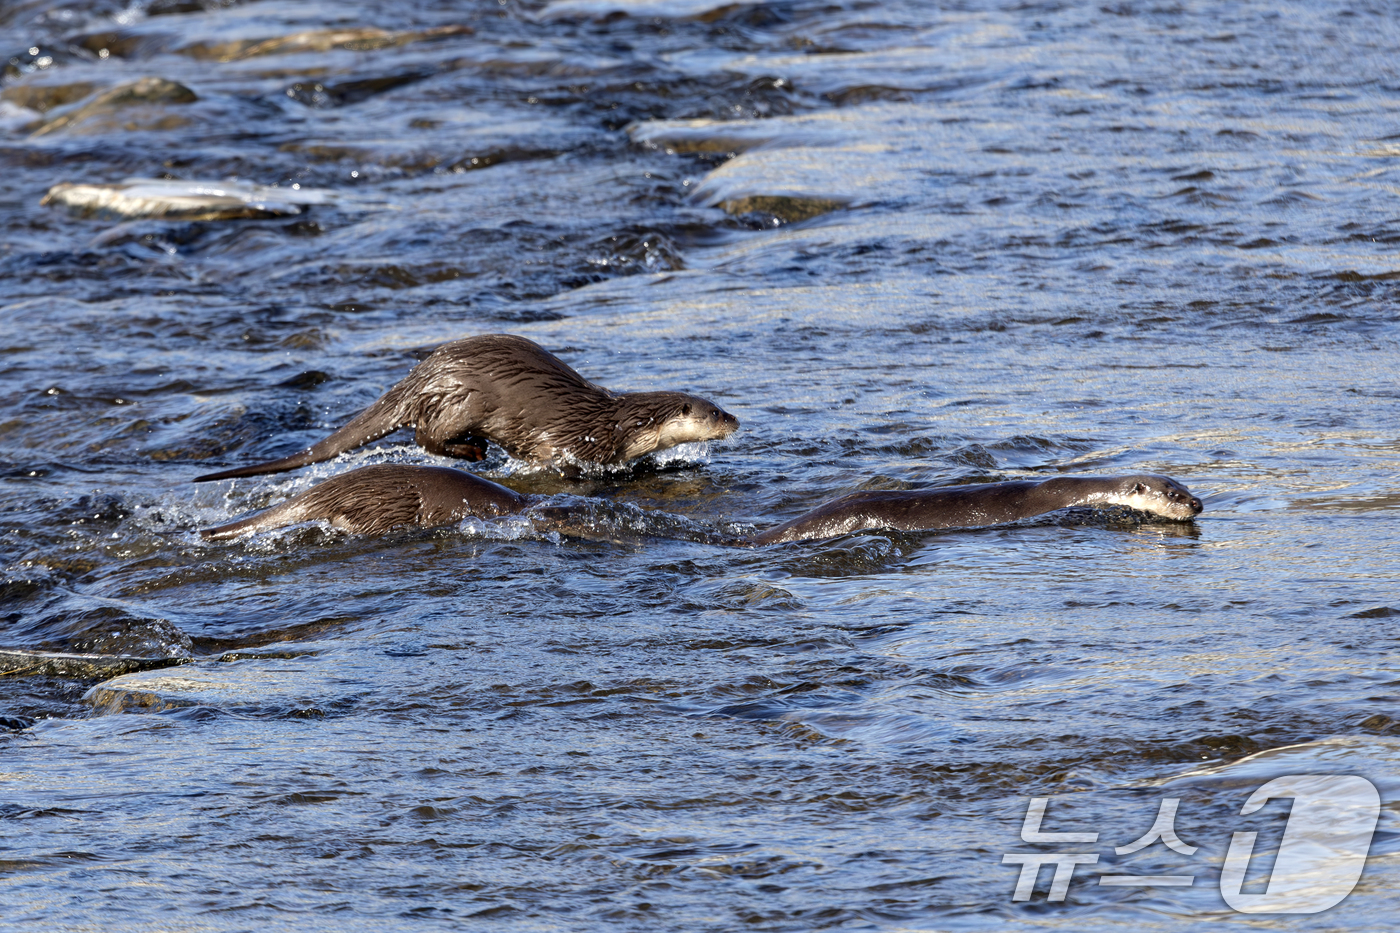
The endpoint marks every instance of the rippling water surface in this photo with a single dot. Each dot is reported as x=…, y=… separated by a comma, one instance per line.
x=907, y=245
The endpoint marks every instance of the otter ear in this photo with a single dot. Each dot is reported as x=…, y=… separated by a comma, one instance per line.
x=1139, y=487
x=685, y=409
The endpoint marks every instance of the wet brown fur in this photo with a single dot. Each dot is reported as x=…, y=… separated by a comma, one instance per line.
x=984, y=504
x=377, y=499
x=512, y=391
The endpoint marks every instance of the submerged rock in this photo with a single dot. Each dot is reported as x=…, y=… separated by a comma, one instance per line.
x=797, y=167
x=182, y=200
x=703, y=10
x=488, y=157
x=793, y=192
x=787, y=208
x=705, y=135
x=300, y=685
x=121, y=44
x=144, y=91
x=354, y=90
x=354, y=40
x=45, y=97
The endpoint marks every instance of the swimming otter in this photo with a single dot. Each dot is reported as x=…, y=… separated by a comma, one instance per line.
x=984, y=504
x=512, y=391
x=374, y=500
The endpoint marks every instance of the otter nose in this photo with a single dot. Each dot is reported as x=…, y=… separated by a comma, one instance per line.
x=1196, y=505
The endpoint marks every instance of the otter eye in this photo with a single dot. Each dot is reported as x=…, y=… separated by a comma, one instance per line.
x=685, y=409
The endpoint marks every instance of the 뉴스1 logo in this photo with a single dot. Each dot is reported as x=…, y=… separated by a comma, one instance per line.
x=1319, y=861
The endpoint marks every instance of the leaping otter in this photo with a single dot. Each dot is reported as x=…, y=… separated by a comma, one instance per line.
x=984, y=504
x=375, y=500
x=512, y=391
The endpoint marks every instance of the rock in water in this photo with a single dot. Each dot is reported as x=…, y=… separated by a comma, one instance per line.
x=78, y=666
x=354, y=40
x=182, y=200
x=45, y=97
x=145, y=91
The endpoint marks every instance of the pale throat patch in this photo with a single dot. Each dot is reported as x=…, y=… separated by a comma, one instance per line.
x=1150, y=501
x=1144, y=502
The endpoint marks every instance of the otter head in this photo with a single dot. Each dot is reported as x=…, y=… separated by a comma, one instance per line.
x=1160, y=495
x=657, y=420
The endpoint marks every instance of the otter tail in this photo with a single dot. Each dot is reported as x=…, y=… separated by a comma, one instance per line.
x=374, y=422
x=296, y=509
x=235, y=529
x=290, y=512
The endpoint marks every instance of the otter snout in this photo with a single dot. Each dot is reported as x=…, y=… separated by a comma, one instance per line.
x=1196, y=507
x=725, y=423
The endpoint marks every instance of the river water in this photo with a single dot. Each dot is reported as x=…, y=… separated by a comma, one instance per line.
x=907, y=245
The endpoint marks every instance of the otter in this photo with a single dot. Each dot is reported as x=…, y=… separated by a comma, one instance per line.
x=510, y=390
x=984, y=504
x=375, y=500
